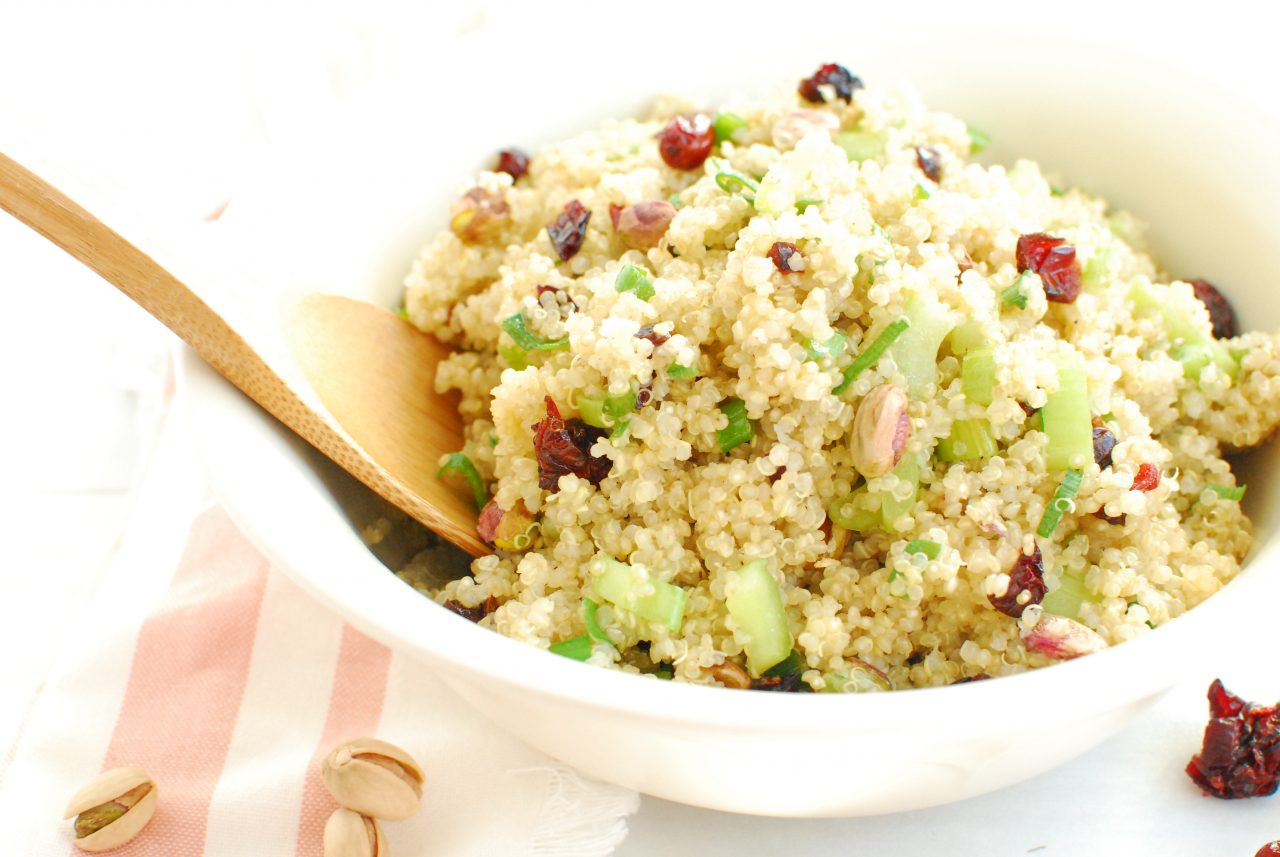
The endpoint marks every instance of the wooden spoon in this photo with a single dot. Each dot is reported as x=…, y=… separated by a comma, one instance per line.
x=373, y=371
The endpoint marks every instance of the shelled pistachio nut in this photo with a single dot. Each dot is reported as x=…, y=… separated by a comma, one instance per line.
x=373, y=778
x=350, y=834
x=112, y=809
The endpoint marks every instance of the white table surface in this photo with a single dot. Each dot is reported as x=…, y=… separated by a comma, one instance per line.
x=82, y=371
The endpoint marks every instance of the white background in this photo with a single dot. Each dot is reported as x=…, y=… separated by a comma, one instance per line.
x=170, y=106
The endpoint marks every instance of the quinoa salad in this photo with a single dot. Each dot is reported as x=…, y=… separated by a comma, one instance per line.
x=795, y=393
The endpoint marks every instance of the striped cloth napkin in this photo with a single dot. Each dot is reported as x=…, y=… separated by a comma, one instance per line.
x=225, y=682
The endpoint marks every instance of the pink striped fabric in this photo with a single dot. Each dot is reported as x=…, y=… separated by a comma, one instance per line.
x=192, y=656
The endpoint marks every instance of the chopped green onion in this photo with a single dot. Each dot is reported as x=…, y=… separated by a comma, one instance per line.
x=620, y=430
x=631, y=589
x=860, y=145
x=739, y=430
x=969, y=440
x=493, y=440
x=608, y=411
x=1108, y=417
x=922, y=192
x=457, y=464
x=978, y=375
x=577, y=648
x=402, y=312
x=915, y=352
x=735, y=182
x=792, y=664
x=1061, y=502
x=515, y=356
x=1229, y=492
x=858, y=511
x=829, y=347
x=756, y=606
x=1016, y=295
x=803, y=204
x=591, y=411
x=518, y=329
x=924, y=546
x=680, y=372
x=1067, y=598
x=895, y=576
x=978, y=139
x=1066, y=416
x=873, y=353
x=589, y=618
x=725, y=125
x=632, y=278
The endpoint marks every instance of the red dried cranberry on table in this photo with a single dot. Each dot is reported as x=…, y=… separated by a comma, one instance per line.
x=786, y=257
x=564, y=446
x=1221, y=315
x=1147, y=478
x=1240, y=756
x=1104, y=442
x=1055, y=261
x=513, y=162
x=686, y=142
x=929, y=160
x=1027, y=575
x=833, y=75
x=568, y=229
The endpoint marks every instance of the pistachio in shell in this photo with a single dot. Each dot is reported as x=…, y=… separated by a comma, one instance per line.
x=373, y=778
x=350, y=834
x=112, y=809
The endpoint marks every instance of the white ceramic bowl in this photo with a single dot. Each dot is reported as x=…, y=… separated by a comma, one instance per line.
x=1141, y=123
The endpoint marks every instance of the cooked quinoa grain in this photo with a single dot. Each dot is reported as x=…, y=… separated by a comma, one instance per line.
x=657, y=419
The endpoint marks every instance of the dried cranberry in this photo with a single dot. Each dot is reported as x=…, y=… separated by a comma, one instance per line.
x=1221, y=314
x=1271, y=849
x=1055, y=261
x=786, y=257
x=686, y=142
x=1027, y=575
x=1240, y=756
x=789, y=683
x=836, y=76
x=568, y=229
x=543, y=288
x=1027, y=409
x=929, y=160
x=1110, y=519
x=564, y=446
x=644, y=395
x=513, y=162
x=1147, y=478
x=487, y=523
x=614, y=211
x=1104, y=442
x=475, y=614
x=654, y=336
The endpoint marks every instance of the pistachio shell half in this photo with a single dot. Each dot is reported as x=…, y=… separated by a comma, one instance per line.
x=112, y=809
x=373, y=778
x=880, y=430
x=350, y=834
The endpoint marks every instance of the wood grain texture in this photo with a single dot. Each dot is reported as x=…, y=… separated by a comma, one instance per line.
x=373, y=371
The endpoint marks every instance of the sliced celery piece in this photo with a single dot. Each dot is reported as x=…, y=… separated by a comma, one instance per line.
x=1066, y=416
x=755, y=602
x=969, y=440
x=966, y=337
x=517, y=358
x=858, y=511
x=1096, y=269
x=577, y=648
x=632, y=589
x=892, y=508
x=915, y=352
x=860, y=145
x=978, y=375
x=1191, y=346
x=1067, y=598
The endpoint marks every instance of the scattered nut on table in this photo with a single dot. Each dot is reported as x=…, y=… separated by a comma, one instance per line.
x=112, y=809
x=350, y=834
x=373, y=778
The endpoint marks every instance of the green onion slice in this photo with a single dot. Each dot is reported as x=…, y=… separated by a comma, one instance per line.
x=731, y=181
x=457, y=464
x=1014, y=296
x=739, y=430
x=1229, y=492
x=517, y=327
x=873, y=353
x=515, y=356
x=632, y=278
x=803, y=204
x=681, y=373
x=978, y=139
x=1060, y=503
x=577, y=648
x=829, y=347
x=726, y=124
x=924, y=546
x=594, y=631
